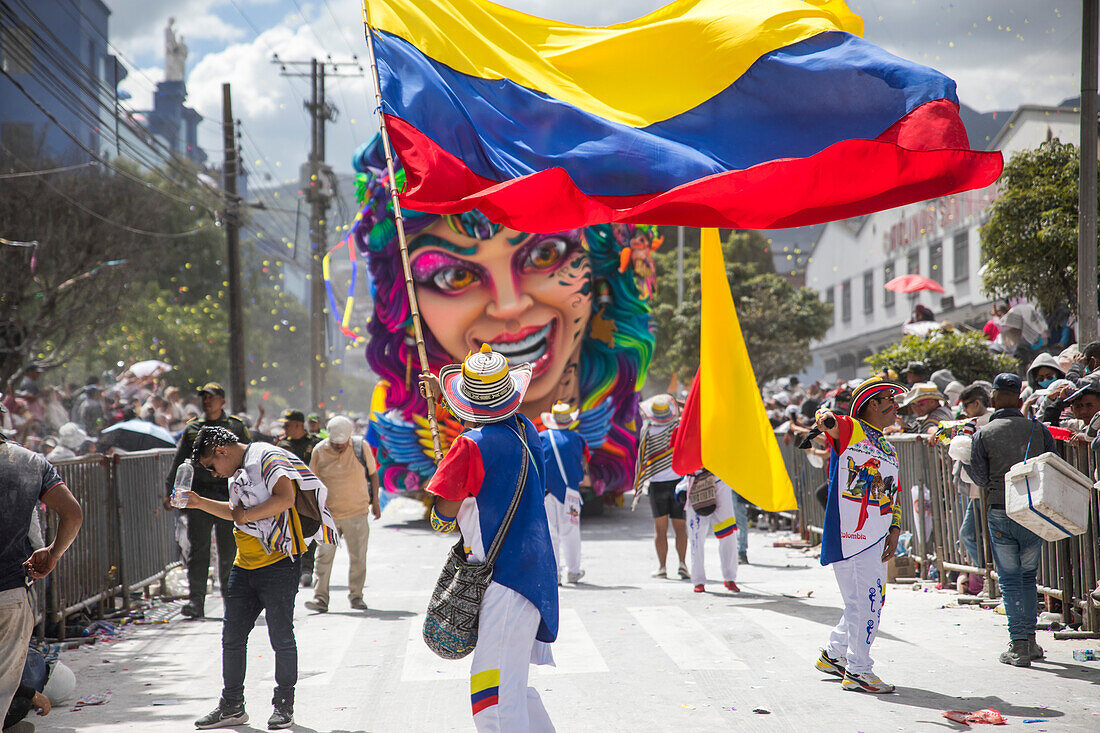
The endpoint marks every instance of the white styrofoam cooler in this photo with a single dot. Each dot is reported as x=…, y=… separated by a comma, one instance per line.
x=1059, y=502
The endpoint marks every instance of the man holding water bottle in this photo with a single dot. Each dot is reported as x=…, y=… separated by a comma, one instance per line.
x=200, y=524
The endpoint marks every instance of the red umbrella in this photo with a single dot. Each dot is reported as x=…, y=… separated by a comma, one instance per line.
x=913, y=284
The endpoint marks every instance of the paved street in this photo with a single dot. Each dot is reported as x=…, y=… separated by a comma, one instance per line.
x=634, y=653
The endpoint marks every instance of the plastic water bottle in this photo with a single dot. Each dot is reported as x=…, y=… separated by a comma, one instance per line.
x=182, y=489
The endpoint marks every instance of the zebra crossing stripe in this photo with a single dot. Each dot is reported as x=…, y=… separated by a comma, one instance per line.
x=684, y=639
x=574, y=651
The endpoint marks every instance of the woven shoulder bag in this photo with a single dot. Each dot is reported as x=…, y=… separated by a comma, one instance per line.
x=450, y=628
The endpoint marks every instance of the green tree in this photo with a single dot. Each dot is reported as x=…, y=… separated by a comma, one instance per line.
x=966, y=355
x=777, y=319
x=87, y=234
x=1029, y=242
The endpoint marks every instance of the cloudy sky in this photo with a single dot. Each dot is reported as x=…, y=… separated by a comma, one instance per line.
x=1002, y=53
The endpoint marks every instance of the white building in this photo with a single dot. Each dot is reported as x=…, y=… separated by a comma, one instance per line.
x=854, y=258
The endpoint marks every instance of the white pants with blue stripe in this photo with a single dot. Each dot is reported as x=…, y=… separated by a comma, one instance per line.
x=862, y=580
x=724, y=526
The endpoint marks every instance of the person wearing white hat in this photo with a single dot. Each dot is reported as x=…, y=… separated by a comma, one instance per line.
x=653, y=475
x=70, y=437
x=566, y=454
x=343, y=465
x=474, y=486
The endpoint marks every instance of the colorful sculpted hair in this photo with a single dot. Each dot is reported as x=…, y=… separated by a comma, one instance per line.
x=610, y=373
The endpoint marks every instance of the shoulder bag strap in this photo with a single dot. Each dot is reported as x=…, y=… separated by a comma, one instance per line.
x=505, y=525
x=557, y=457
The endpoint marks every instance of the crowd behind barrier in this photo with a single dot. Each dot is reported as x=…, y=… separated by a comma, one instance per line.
x=1067, y=571
x=127, y=540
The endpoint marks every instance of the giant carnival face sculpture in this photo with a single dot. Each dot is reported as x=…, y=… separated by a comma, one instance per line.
x=565, y=302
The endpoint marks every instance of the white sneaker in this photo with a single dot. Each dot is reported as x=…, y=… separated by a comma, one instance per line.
x=868, y=682
x=575, y=577
x=659, y=573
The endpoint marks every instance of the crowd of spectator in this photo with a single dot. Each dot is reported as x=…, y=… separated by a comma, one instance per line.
x=64, y=420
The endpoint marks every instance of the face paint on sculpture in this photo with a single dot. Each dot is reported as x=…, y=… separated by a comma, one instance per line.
x=562, y=301
x=526, y=295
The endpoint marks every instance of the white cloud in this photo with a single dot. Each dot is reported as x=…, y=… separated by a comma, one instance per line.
x=270, y=106
x=137, y=26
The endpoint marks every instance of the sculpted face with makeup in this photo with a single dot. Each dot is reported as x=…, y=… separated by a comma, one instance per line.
x=528, y=296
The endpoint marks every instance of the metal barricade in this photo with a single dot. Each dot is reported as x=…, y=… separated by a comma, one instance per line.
x=89, y=571
x=126, y=541
x=146, y=529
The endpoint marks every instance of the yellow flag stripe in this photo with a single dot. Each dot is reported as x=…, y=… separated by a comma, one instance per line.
x=738, y=444
x=635, y=73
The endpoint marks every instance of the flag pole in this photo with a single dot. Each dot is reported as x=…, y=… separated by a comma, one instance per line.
x=414, y=309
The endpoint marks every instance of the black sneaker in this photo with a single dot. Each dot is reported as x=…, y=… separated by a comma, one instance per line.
x=192, y=610
x=223, y=716
x=283, y=715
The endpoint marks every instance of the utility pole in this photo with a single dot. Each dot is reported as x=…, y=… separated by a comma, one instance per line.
x=318, y=186
x=1086, y=217
x=679, y=266
x=237, y=391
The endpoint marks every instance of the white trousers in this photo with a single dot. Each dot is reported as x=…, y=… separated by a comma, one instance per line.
x=16, y=624
x=564, y=520
x=861, y=580
x=506, y=647
x=724, y=526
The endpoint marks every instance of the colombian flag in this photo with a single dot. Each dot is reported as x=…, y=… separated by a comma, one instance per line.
x=724, y=427
x=715, y=113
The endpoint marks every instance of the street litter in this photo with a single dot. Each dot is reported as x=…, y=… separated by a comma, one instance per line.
x=1086, y=655
x=988, y=715
x=89, y=700
x=761, y=711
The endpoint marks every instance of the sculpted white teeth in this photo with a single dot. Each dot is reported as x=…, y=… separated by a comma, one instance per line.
x=528, y=349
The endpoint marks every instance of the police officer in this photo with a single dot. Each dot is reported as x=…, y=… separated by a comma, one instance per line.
x=199, y=523
x=300, y=442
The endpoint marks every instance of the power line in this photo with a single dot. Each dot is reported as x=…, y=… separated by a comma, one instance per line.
x=165, y=157
x=62, y=92
x=120, y=225
x=95, y=155
x=27, y=174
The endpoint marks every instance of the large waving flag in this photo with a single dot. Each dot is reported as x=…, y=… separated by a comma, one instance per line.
x=724, y=427
x=746, y=114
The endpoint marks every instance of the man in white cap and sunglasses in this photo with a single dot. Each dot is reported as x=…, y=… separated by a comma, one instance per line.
x=567, y=456
x=474, y=487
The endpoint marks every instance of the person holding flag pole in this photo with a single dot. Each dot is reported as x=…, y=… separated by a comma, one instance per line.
x=862, y=526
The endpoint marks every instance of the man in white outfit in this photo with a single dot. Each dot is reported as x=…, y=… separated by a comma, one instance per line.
x=706, y=514
x=565, y=454
x=862, y=525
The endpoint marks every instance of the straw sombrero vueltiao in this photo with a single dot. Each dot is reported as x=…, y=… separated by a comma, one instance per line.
x=483, y=388
x=659, y=410
x=562, y=416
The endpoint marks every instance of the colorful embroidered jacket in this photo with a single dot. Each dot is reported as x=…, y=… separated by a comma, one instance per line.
x=481, y=470
x=863, y=488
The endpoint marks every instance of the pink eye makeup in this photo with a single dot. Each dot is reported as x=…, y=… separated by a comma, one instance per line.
x=445, y=273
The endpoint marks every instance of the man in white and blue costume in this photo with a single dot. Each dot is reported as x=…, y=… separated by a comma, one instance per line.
x=473, y=486
x=566, y=456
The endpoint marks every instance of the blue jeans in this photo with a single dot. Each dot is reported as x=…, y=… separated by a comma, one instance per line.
x=741, y=514
x=269, y=589
x=1016, y=557
x=968, y=534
